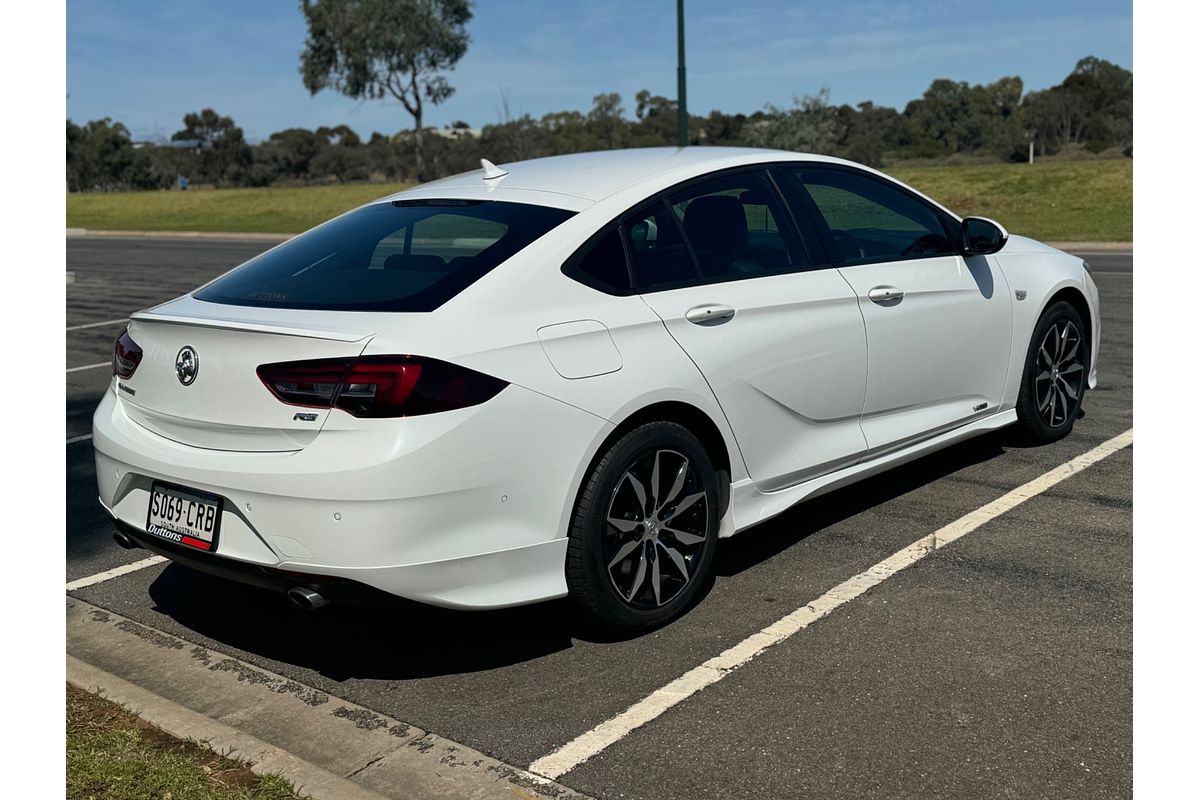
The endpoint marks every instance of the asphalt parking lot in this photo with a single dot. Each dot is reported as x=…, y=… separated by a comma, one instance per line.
x=1000, y=665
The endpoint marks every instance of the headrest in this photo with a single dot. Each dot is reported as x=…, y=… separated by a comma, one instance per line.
x=716, y=223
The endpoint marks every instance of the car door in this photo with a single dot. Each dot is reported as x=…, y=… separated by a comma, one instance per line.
x=779, y=339
x=938, y=324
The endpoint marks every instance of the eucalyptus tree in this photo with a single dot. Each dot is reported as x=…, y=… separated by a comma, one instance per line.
x=376, y=49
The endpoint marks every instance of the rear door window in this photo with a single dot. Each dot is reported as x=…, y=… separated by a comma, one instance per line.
x=733, y=224
x=660, y=258
x=402, y=256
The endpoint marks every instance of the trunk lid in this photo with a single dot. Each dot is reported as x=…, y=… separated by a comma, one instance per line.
x=225, y=406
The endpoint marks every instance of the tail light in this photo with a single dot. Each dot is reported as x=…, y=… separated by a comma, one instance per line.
x=126, y=356
x=379, y=386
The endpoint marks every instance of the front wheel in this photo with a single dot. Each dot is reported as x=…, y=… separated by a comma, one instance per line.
x=1055, y=376
x=644, y=531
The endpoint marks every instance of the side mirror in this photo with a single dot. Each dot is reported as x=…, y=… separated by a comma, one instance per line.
x=982, y=236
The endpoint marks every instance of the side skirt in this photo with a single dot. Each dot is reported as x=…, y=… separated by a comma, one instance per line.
x=750, y=505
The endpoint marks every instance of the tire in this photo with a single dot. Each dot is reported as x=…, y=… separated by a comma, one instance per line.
x=1055, y=375
x=637, y=572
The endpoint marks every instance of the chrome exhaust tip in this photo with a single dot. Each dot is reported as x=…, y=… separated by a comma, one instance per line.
x=125, y=541
x=306, y=598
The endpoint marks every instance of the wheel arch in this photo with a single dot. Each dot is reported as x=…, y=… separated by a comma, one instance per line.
x=696, y=421
x=1074, y=296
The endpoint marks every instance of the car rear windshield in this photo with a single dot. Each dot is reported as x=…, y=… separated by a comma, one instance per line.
x=400, y=256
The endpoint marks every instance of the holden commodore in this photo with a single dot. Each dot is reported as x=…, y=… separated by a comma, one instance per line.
x=571, y=376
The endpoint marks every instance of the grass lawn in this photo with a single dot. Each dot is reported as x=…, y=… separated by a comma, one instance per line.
x=1053, y=200
x=115, y=755
x=274, y=210
x=1076, y=201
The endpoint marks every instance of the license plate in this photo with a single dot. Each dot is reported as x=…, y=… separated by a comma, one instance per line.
x=184, y=516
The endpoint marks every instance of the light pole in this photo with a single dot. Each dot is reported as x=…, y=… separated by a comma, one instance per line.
x=682, y=124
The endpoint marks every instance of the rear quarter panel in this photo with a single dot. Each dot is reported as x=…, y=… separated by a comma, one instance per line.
x=493, y=327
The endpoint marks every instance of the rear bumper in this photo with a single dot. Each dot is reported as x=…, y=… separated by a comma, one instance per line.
x=464, y=509
x=334, y=589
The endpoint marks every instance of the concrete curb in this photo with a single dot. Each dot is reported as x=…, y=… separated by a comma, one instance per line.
x=184, y=723
x=218, y=697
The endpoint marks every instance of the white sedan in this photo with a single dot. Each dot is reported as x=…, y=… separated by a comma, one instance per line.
x=571, y=376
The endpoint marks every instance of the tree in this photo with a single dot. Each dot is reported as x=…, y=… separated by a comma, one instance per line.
x=996, y=106
x=607, y=120
x=341, y=155
x=1093, y=107
x=1105, y=92
x=341, y=136
x=955, y=117
x=940, y=120
x=373, y=49
x=810, y=126
x=723, y=129
x=100, y=155
x=868, y=132
x=221, y=149
x=516, y=138
x=297, y=148
x=344, y=162
x=657, y=124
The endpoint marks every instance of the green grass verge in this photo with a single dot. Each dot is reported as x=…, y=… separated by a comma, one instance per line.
x=273, y=210
x=1077, y=201
x=114, y=755
x=1051, y=200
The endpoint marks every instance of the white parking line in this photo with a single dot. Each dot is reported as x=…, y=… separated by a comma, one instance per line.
x=90, y=366
x=97, y=324
x=613, y=730
x=81, y=438
x=115, y=572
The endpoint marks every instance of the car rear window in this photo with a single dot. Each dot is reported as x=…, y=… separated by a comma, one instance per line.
x=401, y=256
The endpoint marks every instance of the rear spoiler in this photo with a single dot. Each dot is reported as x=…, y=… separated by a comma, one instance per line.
x=233, y=323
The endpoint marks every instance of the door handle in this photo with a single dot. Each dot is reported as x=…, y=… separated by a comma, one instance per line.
x=885, y=295
x=710, y=314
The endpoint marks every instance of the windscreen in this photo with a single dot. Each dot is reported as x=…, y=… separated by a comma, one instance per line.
x=401, y=256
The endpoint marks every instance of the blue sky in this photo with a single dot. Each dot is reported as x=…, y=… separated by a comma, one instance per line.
x=147, y=63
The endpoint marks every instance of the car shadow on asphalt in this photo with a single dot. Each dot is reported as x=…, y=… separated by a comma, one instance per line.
x=778, y=534
x=88, y=530
x=415, y=641
x=342, y=642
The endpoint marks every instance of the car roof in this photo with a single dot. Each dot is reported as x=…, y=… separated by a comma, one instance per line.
x=579, y=180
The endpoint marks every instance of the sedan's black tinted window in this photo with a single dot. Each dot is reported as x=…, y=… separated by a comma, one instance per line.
x=733, y=223
x=660, y=258
x=601, y=264
x=403, y=256
x=871, y=220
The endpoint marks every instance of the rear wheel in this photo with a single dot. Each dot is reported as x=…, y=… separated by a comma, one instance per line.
x=1055, y=376
x=645, y=528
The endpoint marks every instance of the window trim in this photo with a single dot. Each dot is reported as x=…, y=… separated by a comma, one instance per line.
x=798, y=190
